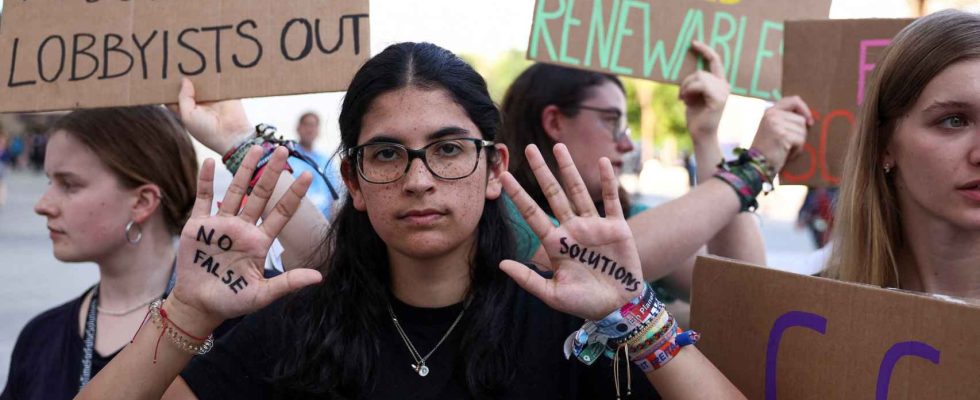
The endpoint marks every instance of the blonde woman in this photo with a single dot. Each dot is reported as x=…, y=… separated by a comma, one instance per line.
x=909, y=211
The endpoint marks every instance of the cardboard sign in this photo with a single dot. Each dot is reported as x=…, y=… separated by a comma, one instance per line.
x=61, y=54
x=780, y=335
x=651, y=39
x=828, y=64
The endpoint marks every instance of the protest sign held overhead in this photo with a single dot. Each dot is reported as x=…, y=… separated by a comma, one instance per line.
x=829, y=64
x=780, y=335
x=63, y=54
x=651, y=39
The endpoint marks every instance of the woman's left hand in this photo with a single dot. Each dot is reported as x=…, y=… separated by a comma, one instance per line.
x=704, y=94
x=594, y=259
x=218, y=125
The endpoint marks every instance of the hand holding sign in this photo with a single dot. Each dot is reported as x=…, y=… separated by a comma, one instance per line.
x=220, y=260
x=782, y=131
x=219, y=125
x=704, y=95
x=595, y=262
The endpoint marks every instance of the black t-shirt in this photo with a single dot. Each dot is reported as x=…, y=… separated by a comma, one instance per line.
x=240, y=365
x=47, y=359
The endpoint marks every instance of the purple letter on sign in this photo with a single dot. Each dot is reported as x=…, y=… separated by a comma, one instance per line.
x=895, y=353
x=863, y=67
x=784, y=322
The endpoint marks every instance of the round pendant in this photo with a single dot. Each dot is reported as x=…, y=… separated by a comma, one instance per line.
x=423, y=370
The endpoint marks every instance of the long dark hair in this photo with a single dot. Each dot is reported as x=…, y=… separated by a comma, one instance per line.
x=539, y=86
x=336, y=323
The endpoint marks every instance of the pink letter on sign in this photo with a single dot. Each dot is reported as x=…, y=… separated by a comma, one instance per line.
x=863, y=66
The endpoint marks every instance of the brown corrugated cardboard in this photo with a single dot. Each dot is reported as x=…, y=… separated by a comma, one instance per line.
x=828, y=64
x=58, y=54
x=781, y=335
x=650, y=39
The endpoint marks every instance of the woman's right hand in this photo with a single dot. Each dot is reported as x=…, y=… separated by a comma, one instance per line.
x=782, y=131
x=218, y=125
x=220, y=258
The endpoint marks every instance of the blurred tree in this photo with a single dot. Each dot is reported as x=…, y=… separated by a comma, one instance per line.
x=499, y=71
x=656, y=118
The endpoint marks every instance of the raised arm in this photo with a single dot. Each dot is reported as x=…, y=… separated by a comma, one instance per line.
x=670, y=235
x=673, y=232
x=704, y=94
x=219, y=264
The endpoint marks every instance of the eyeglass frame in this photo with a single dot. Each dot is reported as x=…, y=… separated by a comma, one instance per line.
x=353, y=153
x=617, y=136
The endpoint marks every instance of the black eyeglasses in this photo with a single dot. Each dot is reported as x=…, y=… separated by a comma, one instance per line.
x=618, y=124
x=450, y=159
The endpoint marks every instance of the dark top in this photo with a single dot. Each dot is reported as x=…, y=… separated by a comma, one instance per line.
x=47, y=359
x=240, y=367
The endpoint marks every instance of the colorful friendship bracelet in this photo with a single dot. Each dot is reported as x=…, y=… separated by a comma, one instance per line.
x=748, y=175
x=265, y=136
x=595, y=337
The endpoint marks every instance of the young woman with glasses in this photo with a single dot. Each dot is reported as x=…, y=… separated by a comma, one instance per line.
x=419, y=297
x=586, y=111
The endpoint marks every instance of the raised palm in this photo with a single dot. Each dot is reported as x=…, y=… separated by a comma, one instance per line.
x=220, y=260
x=594, y=259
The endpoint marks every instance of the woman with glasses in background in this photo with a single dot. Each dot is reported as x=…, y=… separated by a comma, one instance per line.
x=586, y=111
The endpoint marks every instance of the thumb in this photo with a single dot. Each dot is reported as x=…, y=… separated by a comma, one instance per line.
x=185, y=99
x=286, y=283
x=528, y=279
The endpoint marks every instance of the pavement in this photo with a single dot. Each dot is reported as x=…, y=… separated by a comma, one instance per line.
x=32, y=280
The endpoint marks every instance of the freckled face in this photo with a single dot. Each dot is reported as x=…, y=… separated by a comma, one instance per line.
x=421, y=215
x=85, y=206
x=936, y=150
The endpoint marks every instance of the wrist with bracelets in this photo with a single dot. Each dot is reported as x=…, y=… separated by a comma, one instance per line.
x=748, y=175
x=265, y=137
x=643, y=329
x=180, y=338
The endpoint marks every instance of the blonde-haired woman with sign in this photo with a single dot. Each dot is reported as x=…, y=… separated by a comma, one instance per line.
x=909, y=208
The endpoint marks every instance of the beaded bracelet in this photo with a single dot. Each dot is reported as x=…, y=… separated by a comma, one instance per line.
x=184, y=341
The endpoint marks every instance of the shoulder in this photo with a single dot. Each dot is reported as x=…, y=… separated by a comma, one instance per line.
x=53, y=318
x=636, y=208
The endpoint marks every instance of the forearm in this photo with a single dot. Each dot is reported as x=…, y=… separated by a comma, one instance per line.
x=670, y=234
x=740, y=238
x=133, y=373
x=302, y=235
x=679, y=282
x=690, y=375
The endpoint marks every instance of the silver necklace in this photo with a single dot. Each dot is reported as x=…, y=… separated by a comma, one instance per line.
x=419, y=366
x=127, y=311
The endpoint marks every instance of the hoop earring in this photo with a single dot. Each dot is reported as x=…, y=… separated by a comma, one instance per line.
x=129, y=230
